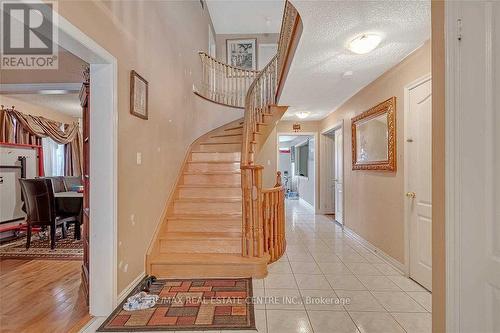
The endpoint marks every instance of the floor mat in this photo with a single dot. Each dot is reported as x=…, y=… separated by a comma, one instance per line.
x=67, y=248
x=190, y=304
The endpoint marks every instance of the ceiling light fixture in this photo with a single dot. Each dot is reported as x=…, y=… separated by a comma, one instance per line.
x=302, y=115
x=364, y=43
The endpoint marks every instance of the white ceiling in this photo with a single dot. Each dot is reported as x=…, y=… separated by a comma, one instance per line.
x=63, y=103
x=246, y=17
x=315, y=82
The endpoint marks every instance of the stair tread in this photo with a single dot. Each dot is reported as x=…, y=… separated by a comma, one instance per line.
x=183, y=235
x=221, y=143
x=226, y=135
x=209, y=200
x=215, y=152
x=214, y=162
x=212, y=172
x=233, y=128
x=203, y=258
x=209, y=185
x=205, y=216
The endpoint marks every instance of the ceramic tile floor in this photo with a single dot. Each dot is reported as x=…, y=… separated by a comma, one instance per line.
x=323, y=267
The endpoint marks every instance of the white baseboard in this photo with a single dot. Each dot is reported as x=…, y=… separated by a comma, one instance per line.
x=130, y=287
x=369, y=246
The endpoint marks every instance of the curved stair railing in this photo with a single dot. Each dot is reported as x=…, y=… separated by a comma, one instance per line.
x=224, y=84
x=263, y=222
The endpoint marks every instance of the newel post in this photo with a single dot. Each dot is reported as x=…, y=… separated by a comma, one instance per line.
x=278, y=179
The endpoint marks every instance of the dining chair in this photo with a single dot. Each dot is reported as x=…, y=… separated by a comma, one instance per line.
x=58, y=184
x=40, y=207
x=70, y=182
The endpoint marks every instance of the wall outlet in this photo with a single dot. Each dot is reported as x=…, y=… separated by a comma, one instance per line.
x=139, y=158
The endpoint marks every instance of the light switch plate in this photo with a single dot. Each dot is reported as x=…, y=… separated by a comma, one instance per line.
x=139, y=158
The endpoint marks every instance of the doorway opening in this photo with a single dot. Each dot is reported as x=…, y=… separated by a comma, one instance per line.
x=332, y=173
x=297, y=164
x=101, y=149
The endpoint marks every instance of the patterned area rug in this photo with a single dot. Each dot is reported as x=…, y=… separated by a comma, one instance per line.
x=67, y=248
x=208, y=304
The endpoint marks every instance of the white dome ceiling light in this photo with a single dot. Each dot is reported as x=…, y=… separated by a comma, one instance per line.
x=364, y=43
x=302, y=115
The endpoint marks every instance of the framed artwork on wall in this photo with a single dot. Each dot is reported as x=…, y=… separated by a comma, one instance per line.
x=242, y=53
x=138, y=95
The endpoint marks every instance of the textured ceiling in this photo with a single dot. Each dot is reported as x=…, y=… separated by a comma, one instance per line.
x=246, y=17
x=316, y=81
x=63, y=103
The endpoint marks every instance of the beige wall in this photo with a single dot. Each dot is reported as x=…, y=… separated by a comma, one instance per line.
x=36, y=110
x=374, y=200
x=220, y=41
x=160, y=40
x=438, y=169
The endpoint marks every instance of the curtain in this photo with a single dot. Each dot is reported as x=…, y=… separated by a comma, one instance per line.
x=7, y=127
x=42, y=127
x=53, y=157
x=73, y=157
x=17, y=127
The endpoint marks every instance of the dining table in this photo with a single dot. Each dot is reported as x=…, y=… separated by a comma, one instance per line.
x=71, y=202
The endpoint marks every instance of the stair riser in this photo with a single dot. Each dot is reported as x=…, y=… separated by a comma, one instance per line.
x=200, y=246
x=210, y=192
x=232, y=138
x=181, y=271
x=221, y=148
x=207, y=207
x=208, y=156
x=204, y=167
x=212, y=179
x=203, y=226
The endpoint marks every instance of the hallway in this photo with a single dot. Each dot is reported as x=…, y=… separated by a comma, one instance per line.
x=324, y=262
x=324, y=265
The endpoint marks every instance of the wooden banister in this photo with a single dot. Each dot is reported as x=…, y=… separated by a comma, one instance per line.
x=263, y=222
x=264, y=209
x=222, y=83
x=273, y=217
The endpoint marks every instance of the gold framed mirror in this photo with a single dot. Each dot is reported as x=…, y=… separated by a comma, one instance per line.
x=374, y=138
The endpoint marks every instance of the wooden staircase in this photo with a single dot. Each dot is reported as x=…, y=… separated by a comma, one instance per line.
x=220, y=221
x=201, y=232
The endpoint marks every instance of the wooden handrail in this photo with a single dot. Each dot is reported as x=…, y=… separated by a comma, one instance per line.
x=224, y=84
x=263, y=222
x=291, y=28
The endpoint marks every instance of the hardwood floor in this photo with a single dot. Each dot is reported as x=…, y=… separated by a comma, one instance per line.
x=41, y=296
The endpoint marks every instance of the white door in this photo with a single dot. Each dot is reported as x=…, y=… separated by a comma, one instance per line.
x=339, y=177
x=419, y=181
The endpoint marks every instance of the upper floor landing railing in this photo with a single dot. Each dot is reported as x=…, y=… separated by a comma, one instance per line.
x=224, y=84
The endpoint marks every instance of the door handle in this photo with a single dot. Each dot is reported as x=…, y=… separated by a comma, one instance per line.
x=411, y=195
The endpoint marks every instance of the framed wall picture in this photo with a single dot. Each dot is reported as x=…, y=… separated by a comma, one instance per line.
x=138, y=95
x=242, y=53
